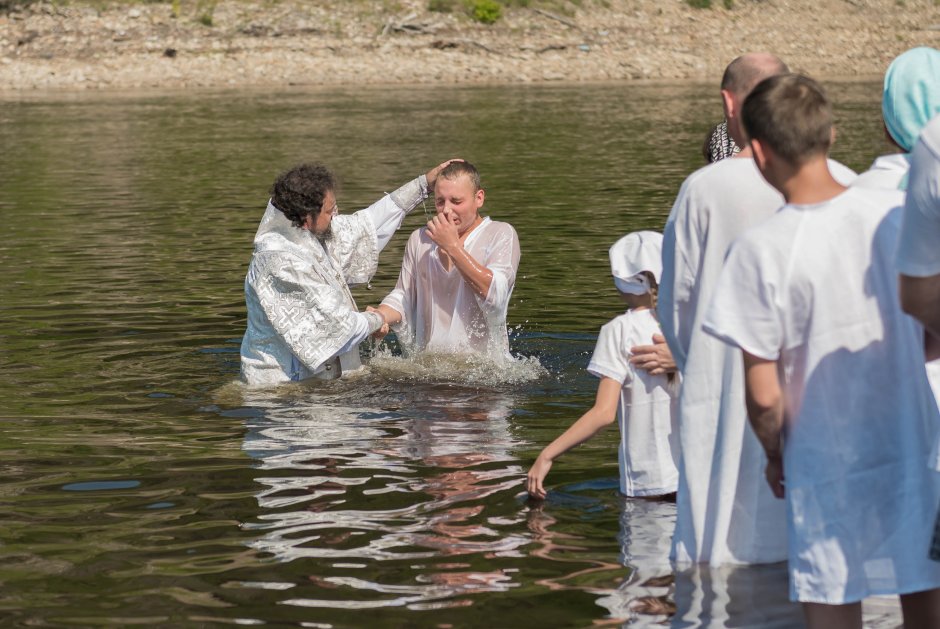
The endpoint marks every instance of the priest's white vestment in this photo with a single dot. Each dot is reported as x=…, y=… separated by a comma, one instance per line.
x=302, y=319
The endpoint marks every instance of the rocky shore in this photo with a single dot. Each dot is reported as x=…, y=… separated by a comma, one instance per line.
x=81, y=45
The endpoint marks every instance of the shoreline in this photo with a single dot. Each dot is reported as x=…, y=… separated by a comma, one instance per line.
x=48, y=48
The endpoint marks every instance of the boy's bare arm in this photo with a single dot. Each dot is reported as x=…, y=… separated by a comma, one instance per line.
x=765, y=411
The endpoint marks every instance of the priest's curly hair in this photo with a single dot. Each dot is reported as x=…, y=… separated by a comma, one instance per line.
x=299, y=192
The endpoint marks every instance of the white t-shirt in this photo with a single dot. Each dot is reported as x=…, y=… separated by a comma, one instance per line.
x=814, y=288
x=919, y=250
x=649, y=439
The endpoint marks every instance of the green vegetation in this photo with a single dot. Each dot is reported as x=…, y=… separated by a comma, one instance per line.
x=486, y=11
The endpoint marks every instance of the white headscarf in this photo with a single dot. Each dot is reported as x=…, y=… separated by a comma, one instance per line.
x=632, y=254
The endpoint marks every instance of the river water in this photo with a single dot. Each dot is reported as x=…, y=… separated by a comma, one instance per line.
x=142, y=486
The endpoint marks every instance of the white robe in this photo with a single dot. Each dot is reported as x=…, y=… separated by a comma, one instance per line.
x=890, y=172
x=815, y=288
x=441, y=311
x=302, y=318
x=725, y=513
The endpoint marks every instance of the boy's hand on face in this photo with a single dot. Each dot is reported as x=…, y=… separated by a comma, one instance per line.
x=443, y=231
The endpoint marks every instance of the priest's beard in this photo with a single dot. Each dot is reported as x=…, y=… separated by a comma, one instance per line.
x=327, y=234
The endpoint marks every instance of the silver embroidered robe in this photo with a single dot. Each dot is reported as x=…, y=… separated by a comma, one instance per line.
x=300, y=310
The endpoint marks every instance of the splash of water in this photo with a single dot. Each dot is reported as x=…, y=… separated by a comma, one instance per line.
x=459, y=368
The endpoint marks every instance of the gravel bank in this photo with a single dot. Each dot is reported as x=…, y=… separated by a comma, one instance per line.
x=84, y=46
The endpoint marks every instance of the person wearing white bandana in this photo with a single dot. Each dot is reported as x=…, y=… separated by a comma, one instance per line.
x=302, y=319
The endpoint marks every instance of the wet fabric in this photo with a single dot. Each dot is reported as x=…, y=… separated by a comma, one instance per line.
x=441, y=311
x=725, y=511
x=814, y=288
x=301, y=313
x=911, y=94
x=649, y=444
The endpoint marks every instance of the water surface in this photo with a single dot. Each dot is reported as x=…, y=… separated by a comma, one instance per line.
x=141, y=486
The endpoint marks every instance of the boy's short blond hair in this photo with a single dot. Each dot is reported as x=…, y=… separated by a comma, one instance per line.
x=457, y=168
x=790, y=114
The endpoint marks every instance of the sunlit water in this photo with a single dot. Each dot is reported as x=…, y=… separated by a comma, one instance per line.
x=142, y=485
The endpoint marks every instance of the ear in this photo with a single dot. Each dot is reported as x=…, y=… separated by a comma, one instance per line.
x=480, y=196
x=760, y=154
x=308, y=223
x=727, y=103
x=832, y=135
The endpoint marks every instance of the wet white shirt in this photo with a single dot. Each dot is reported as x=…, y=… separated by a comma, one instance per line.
x=725, y=511
x=919, y=250
x=441, y=311
x=649, y=443
x=815, y=288
x=301, y=314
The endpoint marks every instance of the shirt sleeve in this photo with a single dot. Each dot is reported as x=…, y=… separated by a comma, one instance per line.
x=362, y=324
x=403, y=297
x=919, y=243
x=745, y=310
x=388, y=212
x=611, y=357
x=502, y=260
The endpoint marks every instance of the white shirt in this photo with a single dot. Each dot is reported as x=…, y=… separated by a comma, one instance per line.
x=814, y=287
x=919, y=250
x=301, y=314
x=725, y=513
x=649, y=443
x=441, y=311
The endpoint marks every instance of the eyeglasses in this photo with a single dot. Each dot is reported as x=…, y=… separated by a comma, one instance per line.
x=333, y=210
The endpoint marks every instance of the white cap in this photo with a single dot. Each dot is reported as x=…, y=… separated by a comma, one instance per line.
x=632, y=254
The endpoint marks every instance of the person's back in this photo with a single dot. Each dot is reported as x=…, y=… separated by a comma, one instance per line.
x=834, y=385
x=649, y=440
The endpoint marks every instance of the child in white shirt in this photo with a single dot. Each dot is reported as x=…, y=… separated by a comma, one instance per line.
x=646, y=403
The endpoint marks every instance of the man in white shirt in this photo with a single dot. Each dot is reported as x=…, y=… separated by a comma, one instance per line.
x=302, y=319
x=725, y=513
x=457, y=275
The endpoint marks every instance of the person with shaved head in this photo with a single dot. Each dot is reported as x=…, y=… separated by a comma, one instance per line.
x=726, y=514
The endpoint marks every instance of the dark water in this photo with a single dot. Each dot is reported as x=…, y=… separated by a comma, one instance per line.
x=141, y=487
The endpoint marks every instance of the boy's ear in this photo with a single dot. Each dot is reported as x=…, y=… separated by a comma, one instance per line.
x=480, y=195
x=760, y=154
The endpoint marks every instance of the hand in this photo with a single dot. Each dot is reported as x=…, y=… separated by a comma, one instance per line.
x=536, y=475
x=434, y=172
x=656, y=358
x=774, y=474
x=383, y=329
x=443, y=231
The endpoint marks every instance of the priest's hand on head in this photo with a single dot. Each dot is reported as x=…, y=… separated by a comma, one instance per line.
x=443, y=231
x=432, y=174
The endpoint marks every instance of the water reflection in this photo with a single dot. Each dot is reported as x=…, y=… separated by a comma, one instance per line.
x=410, y=479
